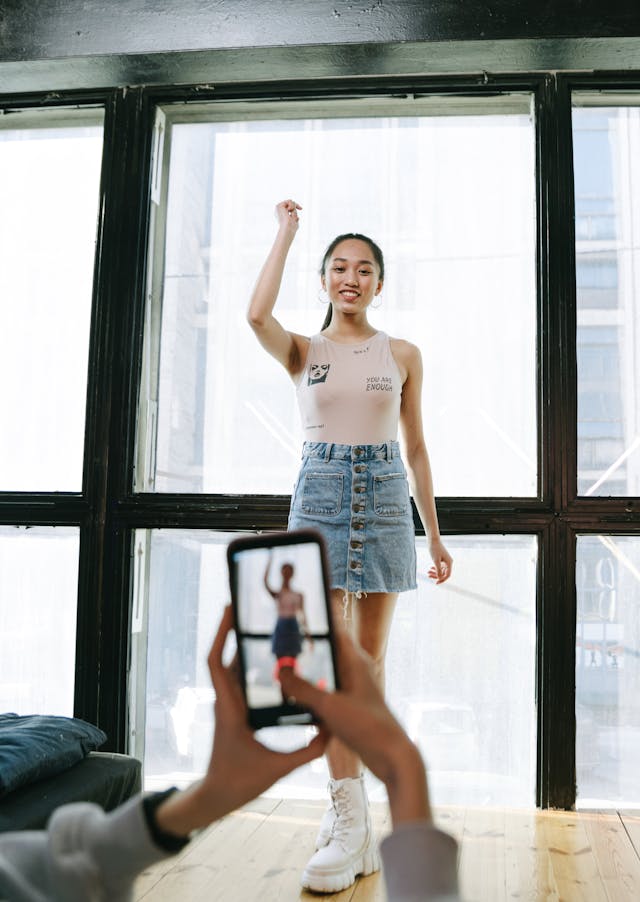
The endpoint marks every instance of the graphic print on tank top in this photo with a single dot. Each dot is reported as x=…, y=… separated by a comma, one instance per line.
x=318, y=373
x=350, y=393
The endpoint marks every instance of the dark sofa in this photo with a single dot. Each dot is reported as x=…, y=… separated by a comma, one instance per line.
x=46, y=762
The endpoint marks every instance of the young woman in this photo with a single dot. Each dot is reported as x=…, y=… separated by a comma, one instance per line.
x=355, y=385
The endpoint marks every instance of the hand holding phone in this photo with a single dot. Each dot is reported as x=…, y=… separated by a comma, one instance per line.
x=280, y=597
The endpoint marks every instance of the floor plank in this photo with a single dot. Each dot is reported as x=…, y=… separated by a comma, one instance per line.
x=618, y=861
x=631, y=822
x=482, y=871
x=528, y=870
x=574, y=868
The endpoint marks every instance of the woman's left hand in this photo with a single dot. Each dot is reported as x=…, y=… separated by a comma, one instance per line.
x=442, y=562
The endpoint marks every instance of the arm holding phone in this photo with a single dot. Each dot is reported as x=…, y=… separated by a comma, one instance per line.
x=87, y=854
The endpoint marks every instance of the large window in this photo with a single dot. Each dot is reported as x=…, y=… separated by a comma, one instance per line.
x=451, y=200
x=125, y=275
x=606, y=139
x=448, y=190
x=50, y=163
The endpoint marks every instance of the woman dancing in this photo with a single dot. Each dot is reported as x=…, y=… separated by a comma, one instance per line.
x=354, y=386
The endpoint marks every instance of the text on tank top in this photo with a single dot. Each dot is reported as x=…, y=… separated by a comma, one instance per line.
x=350, y=393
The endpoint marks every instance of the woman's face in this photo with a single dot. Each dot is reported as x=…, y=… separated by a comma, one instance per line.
x=351, y=277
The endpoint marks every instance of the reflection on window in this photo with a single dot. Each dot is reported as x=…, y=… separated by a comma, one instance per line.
x=468, y=699
x=49, y=185
x=608, y=671
x=38, y=593
x=450, y=199
x=607, y=166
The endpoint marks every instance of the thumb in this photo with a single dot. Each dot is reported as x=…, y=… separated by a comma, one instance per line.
x=291, y=760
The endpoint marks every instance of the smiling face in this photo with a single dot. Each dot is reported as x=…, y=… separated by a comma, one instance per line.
x=351, y=276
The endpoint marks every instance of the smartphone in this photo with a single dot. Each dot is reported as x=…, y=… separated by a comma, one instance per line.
x=282, y=611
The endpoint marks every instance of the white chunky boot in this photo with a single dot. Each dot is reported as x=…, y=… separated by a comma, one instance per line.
x=329, y=816
x=351, y=848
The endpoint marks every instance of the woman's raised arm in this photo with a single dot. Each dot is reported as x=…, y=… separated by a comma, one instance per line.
x=287, y=347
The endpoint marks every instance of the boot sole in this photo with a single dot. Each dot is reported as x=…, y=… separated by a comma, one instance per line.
x=326, y=881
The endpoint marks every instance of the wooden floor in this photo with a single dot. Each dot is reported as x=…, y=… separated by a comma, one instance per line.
x=259, y=852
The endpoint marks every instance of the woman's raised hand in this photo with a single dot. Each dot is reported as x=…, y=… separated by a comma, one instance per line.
x=287, y=215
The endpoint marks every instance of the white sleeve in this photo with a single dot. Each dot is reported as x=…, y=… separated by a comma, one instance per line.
x=84, y=855
x=420, y=863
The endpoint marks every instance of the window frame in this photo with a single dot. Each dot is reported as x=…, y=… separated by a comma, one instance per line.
x=108, y=511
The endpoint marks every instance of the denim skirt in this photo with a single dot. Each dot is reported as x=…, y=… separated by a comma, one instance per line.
x=357, y=496
x=287, y=639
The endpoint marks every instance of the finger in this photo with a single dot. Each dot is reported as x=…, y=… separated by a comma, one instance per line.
x=231, y=676
x=304, y=692
x=444, y=574
x=215, y=655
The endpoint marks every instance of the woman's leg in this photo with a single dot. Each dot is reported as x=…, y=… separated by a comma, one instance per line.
x=369, y=621
x=345, y=846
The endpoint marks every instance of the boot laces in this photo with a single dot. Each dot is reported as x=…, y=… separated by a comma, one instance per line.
x=344, y=815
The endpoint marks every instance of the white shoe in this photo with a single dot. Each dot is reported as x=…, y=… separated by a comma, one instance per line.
x=329, y=816
x=351, y=849
x=326, y=826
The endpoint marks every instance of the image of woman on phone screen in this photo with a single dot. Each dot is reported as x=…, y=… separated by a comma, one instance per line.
x=355, y=386
x=291, y=622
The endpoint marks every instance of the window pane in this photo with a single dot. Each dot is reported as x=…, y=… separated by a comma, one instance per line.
x=607, y=167
x=181, y=586
x=608, y=671
x=49, y=184
x=38, y=599
x=451, y=200
x=468, y=701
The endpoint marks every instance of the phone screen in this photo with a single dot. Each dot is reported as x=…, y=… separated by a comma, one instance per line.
x=280, y=597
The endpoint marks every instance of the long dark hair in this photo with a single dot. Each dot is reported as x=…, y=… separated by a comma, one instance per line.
x=348, y=236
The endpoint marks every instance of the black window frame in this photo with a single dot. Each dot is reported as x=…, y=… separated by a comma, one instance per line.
x=108, y=511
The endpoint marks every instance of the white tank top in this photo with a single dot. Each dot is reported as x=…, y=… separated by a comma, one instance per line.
x=350, y=393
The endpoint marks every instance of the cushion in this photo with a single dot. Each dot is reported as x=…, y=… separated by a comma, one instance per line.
x=36, y=746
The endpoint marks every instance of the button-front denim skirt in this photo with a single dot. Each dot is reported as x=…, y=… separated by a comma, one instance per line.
x=357, y=496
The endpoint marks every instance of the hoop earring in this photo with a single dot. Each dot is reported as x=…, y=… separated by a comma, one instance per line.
x=323, y=297
x=379, y=304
